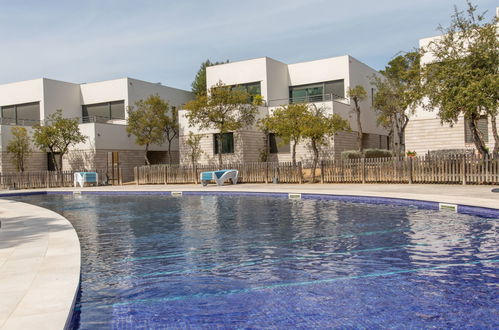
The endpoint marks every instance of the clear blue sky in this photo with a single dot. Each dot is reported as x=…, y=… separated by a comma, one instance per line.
x=165, y=41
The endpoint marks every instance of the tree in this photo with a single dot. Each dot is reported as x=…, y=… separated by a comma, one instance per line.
x=198, y=86
x=171, y=130
x=57, y=135
x=398, y=91
x=224, y=109
x=463, y=78
x=193, y=147
x=318, y=127
x=149, y=122
x=287, y=123
x=357, y=94
x=19, y=147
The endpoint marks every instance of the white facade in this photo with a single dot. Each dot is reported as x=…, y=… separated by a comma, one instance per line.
x=280, y=83
x=104, y=134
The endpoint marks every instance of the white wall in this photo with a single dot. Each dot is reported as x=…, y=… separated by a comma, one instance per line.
x=61, y=95
x=104, y=91
x=361, y=74
x=239, y=73
x=318, y=71
x=138, y=89
x=22, y=92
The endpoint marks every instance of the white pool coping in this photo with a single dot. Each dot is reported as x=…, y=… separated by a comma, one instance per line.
x=39, y=267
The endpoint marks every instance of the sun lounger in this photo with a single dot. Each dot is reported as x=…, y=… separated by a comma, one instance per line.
x=85, y=177
x=219, y=176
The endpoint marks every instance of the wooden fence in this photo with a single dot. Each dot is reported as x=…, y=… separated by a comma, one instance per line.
x=248, y=173
x=41, y=179
x=426, y=169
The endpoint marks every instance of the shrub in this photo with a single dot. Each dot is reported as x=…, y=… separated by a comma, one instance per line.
x=351, y=154
x=377, y=153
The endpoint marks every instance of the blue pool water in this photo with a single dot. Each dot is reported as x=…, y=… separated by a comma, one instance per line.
x=156, y=262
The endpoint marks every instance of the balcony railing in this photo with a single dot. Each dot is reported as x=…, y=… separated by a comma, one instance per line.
x=308, y=99
x=19, y=122
x=101, y=120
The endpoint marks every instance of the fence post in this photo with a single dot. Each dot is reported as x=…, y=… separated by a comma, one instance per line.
x=363, y=163
x=136, y=170
x=267, y=172
x=195, y=169
x=463, y=169
x=120, y=176
x=410, y=170
x=322, y=171
x=166, y=174
x=48, y=179
x=300, y=173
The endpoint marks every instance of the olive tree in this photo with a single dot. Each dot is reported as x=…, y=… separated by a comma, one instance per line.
x=19, y=147
x=357, y=94
x=57, y=135
x=224, y=109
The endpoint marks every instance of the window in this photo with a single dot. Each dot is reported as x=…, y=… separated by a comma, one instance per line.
x=324, y=91
x=276, y=145
x=252, y=89
x=483, y=127
x=102, y=112
x=227, y=143
x=27, y=114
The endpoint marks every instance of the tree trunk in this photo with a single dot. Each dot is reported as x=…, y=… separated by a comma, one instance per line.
x=220, y=139
x=293, y=154
x=145, y=156
x=477, y=136
x=396, y=149
x=495, y=152
x=405, y=121
x=316, y=159
x=169, y=152
x=359, y=126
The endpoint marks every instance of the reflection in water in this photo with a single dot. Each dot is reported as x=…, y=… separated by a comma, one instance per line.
x=208, y=261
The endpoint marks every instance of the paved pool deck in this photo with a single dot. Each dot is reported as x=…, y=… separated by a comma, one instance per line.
x=40, y=252
x=39, y=267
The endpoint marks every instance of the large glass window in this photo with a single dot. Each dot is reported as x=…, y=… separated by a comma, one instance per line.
x=227, y=143
x=276, y=145
x=252, y=89
x=27, y=114
x=102, y=112
x=324, y=91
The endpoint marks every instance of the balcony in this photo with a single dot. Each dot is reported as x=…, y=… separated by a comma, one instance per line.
x=308, y=99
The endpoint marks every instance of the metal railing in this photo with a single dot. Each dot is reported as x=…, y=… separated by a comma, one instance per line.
x=308, y=99
x=19, y=122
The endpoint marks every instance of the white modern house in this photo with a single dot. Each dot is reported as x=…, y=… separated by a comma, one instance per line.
x=425, y=132
x=101, y=110
x=323, y=83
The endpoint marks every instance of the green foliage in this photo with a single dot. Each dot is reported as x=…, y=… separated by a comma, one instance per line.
x=193, y=143
x=351, y=154
x=19, y=147
x=171, y=129
x=318, y=127
x=287, y=123
x=368, y=153
x=198, y=86
x=357, y=94
x=398, y=91
x=463, y=80
x=57, y=135
x=377, y=153
x=224, y=109
x=149, y=121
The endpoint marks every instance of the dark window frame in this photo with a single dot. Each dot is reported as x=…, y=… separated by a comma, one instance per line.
x=316, y=97
x=84, y=110
x=227, y=143
x=16, y=120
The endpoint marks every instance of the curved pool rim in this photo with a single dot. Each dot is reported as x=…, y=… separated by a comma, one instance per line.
x=42, y=273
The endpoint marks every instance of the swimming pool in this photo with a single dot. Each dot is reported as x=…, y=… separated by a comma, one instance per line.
x=156, y=261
